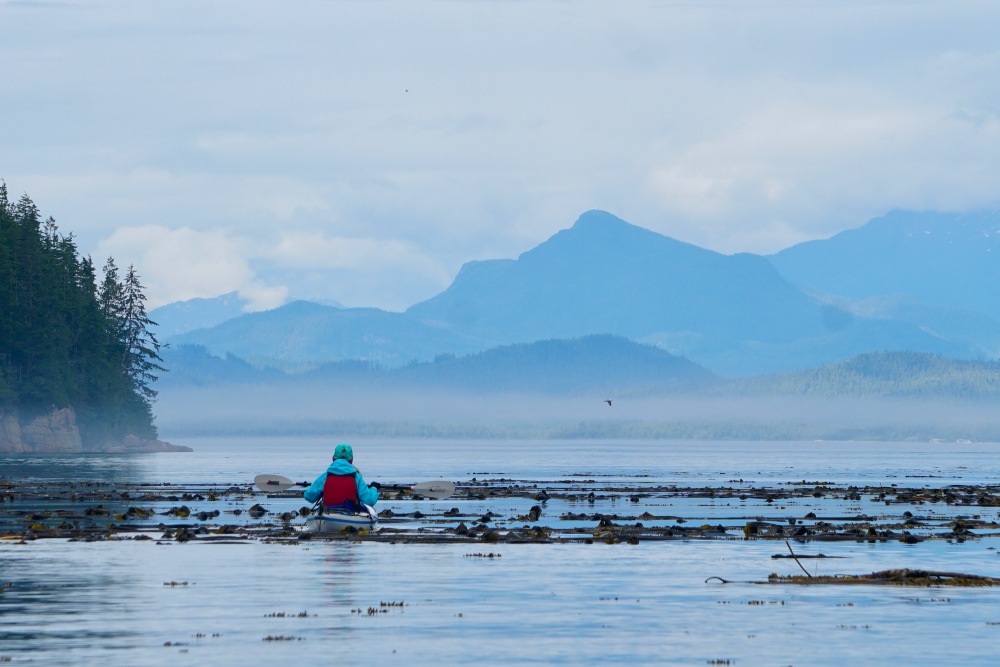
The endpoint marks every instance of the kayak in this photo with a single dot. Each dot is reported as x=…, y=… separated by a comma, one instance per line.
x=333, y=521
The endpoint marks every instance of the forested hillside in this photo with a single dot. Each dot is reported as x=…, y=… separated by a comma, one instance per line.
x=895, y=374
x=67, y=338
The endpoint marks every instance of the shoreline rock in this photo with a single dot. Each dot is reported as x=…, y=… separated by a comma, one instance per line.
x=130, y=444
x=56, y=432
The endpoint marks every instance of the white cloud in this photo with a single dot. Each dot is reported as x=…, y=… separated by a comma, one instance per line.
x=312, y=249
x=180, y=264
x=825, y=162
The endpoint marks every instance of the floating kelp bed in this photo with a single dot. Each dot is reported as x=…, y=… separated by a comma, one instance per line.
x=901, y=577
x=584, y=510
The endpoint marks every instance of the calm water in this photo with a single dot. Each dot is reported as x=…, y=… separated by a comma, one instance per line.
x=73, y=603
x=673, y=462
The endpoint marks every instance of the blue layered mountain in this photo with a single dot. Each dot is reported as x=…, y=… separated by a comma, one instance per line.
x=303, y=333
x=180, y=317
x=732, y=313
x=604, y=275
x=600, y=363
x=183, y=316
x=606, y=365
x=938, y=259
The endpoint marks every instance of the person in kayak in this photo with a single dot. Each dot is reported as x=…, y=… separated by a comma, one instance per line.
x=342, y=486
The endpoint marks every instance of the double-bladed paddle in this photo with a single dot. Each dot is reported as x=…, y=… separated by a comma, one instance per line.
x=437, y=489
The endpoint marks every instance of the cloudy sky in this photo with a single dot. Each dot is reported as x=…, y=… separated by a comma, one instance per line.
x=363, y=151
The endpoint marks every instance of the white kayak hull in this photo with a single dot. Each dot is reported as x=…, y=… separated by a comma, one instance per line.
x=335, y=522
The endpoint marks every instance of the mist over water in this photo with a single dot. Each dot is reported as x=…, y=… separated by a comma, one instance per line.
x=297, y=409
x=238, y=459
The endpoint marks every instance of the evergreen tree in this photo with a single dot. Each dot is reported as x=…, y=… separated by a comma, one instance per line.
x=142, y=349
x=110, y=297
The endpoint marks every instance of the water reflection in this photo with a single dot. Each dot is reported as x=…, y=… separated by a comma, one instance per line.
x=52, y=604
x=338, y=580
x=77, y=467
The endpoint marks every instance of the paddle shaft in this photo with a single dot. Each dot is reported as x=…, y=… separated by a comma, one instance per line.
x=436, y=489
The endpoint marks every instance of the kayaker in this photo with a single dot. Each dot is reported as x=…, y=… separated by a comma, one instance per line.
x=342, y=486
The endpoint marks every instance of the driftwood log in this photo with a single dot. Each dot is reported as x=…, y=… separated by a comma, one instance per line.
x=901, y=577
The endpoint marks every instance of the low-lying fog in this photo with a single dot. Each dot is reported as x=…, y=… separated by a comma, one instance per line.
x=243, y=409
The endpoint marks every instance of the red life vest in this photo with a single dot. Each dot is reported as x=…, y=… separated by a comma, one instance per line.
x=341, y=491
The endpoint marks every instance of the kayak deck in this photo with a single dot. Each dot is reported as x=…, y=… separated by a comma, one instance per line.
x=335, y=522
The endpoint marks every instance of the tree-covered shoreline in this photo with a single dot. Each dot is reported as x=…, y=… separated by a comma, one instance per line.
x=68, y=339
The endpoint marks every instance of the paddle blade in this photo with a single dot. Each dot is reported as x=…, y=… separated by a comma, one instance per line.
x=437, y=489
x=272, y=483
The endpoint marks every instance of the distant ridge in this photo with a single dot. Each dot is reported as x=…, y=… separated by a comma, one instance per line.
x=183, y=316
x=603, y=364
x=598, y=365
x=939, y=259
x=303, y=332
x=890, y=374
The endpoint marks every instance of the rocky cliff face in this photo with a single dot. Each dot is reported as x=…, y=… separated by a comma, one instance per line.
x=57, y=433
x=52, y=433
x=10, y=434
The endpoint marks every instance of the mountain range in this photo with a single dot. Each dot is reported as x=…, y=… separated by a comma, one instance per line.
x=885, y=286
x=591, y=365
x=605, y=366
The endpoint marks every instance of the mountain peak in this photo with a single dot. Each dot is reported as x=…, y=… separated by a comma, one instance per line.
x=601, y=225
x=598, y=219
x=599, y=236
x=605, y=275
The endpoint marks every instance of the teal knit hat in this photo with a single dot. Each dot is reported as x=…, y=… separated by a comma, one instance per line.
x=343, y=452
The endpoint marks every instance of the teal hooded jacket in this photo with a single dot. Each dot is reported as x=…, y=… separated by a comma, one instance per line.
x=366, y=494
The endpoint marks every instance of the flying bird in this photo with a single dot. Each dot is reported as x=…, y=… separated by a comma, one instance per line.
x=608, y=401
